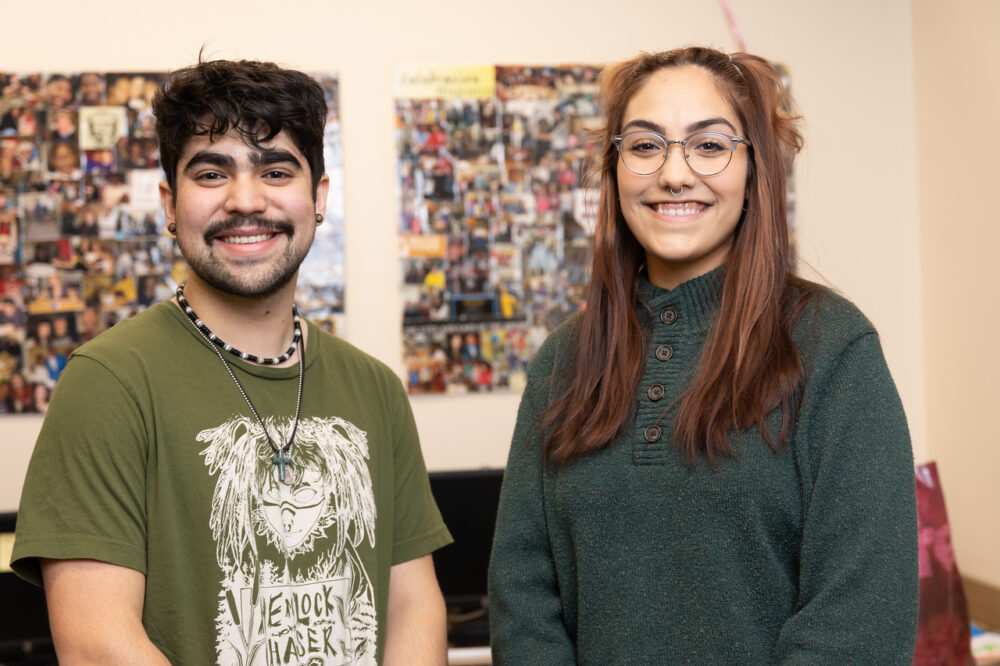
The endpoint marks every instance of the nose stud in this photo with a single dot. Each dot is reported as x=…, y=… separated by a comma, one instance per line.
x=677, y=194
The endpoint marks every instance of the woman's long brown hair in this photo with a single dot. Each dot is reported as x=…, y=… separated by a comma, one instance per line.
x=749, y=365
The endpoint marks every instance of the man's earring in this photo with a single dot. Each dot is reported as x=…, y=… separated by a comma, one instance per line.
x=319, y=219
x=172, y=228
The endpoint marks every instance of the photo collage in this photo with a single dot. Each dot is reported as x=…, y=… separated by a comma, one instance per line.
x=82, y=237
x=495, y=220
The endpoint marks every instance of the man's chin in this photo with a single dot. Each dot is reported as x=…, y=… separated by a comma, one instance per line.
x=233, y=285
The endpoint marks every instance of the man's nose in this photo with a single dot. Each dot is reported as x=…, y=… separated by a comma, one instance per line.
x=245, y=196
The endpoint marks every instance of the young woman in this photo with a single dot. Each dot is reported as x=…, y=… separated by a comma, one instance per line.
x=711, y=464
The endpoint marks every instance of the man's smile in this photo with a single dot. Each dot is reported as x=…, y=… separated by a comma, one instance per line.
x=244, y=240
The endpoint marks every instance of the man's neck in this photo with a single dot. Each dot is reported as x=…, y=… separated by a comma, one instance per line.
x=260, y=326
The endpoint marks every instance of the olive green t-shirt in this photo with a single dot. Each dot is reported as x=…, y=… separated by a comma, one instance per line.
x=150, y=458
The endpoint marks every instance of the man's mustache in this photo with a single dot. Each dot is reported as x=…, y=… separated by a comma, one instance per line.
x=256, y=221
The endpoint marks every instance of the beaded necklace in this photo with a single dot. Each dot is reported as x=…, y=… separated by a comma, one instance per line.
x=281, y=459
x=207, y=333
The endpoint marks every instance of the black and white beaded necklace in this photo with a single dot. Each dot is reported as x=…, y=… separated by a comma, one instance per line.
x=281, y=458
x=207, y=333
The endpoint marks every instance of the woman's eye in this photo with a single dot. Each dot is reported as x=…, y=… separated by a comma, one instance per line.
x=709, y=146
x=645, y=147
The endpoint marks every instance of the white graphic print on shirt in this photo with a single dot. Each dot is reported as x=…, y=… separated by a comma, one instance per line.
x=281, y=601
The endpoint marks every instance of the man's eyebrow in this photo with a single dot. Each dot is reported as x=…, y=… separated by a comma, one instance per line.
x=211, y=158
x=690, y=129
x=274, y=156
x=257, y=158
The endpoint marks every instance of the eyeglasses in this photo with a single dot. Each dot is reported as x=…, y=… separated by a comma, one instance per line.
x=707, y=153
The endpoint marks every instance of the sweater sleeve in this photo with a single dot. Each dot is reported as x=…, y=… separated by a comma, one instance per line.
x=858, y=584
x=526, y=621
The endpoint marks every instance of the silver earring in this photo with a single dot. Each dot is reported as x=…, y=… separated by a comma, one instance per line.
x=319, y=219
x=677, y=194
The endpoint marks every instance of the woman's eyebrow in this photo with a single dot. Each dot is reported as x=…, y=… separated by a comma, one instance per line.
x=644, y=124
x=690, y=129
x=708, y=122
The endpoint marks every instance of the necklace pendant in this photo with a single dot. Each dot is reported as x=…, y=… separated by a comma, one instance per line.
x=282, y=468
x=281, y=459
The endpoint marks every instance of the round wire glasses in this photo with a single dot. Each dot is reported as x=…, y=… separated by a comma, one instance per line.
x=707, y=153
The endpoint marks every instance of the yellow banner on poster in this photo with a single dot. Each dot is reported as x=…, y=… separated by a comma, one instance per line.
x=470, y=82
x=422, y=246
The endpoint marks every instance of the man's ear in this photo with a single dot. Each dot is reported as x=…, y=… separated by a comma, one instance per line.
x=322, y=188
x=167, y=201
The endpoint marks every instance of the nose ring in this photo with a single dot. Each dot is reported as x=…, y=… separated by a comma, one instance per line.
x=677, y=194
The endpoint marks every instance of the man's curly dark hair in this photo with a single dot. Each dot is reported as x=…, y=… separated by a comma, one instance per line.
x=256, y=99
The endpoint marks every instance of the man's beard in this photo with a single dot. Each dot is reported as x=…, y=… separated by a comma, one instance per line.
x=267, y=280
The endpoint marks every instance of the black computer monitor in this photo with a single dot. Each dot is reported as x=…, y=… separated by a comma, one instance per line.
x=24, y=631
x=468, y=501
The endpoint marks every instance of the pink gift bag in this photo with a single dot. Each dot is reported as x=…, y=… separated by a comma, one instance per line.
x=943, y=632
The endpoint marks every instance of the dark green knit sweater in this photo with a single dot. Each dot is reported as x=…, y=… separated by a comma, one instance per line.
x=630, y=556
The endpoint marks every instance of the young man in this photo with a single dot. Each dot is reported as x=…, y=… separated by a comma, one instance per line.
x=216, y=482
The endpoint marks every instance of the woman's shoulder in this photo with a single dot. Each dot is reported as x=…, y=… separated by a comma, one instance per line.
x=824, y=317
x=560, y=344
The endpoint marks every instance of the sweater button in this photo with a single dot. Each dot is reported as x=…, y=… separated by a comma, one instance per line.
x=652, y=433
x=655, y=392
x=668, y=316
x=664, y=352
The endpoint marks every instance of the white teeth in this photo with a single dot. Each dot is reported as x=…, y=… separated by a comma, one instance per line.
x=242, y=240
x=676, y=210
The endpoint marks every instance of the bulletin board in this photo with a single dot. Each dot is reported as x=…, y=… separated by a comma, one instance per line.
x=496, y=217
x=82, y=236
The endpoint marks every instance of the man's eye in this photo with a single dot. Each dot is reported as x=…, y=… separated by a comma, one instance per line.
x=209, y=175
x=276, y=175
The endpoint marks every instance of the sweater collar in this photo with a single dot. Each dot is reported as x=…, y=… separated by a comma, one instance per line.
x=696, y=301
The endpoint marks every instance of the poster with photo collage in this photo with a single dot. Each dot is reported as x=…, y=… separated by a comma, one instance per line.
x=82, y=237
x=495, y=218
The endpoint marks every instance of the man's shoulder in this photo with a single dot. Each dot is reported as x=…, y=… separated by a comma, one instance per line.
x=147, y=330
x=331, y=348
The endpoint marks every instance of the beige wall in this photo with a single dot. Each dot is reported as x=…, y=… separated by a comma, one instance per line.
x=852, y=71
x=957, y=105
